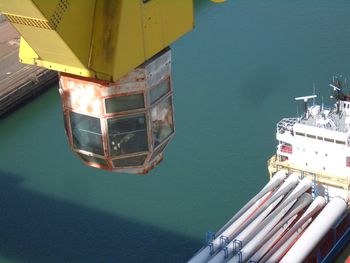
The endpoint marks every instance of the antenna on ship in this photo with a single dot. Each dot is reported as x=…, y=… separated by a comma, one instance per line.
x=337, y=92
x=305, y=99
x=297, y=111
x=314, y=92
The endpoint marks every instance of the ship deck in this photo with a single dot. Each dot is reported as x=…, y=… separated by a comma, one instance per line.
x=327, y=119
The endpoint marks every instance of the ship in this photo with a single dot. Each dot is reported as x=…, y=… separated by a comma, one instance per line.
x=302, y=213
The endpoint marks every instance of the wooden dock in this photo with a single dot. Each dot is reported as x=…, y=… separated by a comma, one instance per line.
x=18, y=82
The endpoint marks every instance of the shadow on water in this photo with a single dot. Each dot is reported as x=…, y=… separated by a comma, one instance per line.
x=266, y=82
x=198, y=4
x=35, y=228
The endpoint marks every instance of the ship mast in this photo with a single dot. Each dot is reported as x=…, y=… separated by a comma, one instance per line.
x=305, y=99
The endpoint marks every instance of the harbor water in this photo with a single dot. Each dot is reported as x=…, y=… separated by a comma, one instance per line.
x=234, y=76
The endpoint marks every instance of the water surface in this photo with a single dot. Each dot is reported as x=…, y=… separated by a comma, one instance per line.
x=235, y=76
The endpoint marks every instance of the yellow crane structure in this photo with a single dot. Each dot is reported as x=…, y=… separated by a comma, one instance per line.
x=115, y=72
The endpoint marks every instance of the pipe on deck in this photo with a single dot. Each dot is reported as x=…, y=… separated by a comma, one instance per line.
x=235, y=223
x=316, y=231
x=290, y=192
x=272, y=225
x=281, y=247
x=272, y=239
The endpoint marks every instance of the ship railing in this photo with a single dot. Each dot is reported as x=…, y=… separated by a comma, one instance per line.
x=274, y=165
x=286, y=125
x=326, y=107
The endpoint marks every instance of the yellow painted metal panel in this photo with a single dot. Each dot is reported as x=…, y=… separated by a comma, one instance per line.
x=130, y=50
x=99, y=38
x=64, y=37
x=47, y=7
x=22, y=8
x=177, y=19
x=105, y=33
x=152, y=27
x=133, y=31
x=76, y=28
x=117, y=39
x=26, y=54
x=65, y=68
x=49, y=45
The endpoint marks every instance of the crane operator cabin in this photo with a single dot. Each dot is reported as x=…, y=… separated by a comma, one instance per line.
x=115, y=72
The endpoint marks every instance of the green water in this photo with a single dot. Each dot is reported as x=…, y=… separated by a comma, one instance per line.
x=235, y=76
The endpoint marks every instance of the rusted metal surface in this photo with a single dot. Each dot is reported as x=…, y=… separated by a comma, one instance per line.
x=88, y=97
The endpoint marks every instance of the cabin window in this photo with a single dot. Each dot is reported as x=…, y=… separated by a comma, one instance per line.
x=86, y=133
x=130, y=161
x=320, y=138
x=160, y=90
x=159, y=150
x=340, y=142
x=162, y=121
x=329, y=140
x=127, y=135
x=283, y=158
x=311, y=136
x=287, y=148
x=93, y=159
x=348, y=161
x=300, y=134
x=124, y=103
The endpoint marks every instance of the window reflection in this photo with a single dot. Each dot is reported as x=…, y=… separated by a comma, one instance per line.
x=130, y=161
x=162, y=121
x=86, y=133
x=127, y=135
x=94, y=159
x=159, y=150
x=130, y=102
x=160, y=90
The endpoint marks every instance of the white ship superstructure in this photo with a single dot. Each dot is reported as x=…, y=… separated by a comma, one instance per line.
x=317, y=145
x=302, y=214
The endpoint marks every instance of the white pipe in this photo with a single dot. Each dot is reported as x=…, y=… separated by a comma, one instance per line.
x=272, y=221
x=304, y=185
x=250, y=247
x=304, y=200
x=204, y=254
x=236, y=221
x=252, y=226
x=301, y=188
x=283, y=247
x=314, y=233
x=289, y=237
x=220, y=256
x=272, y=241
x=270, y=186
x=270, y=204
x=208, y=252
